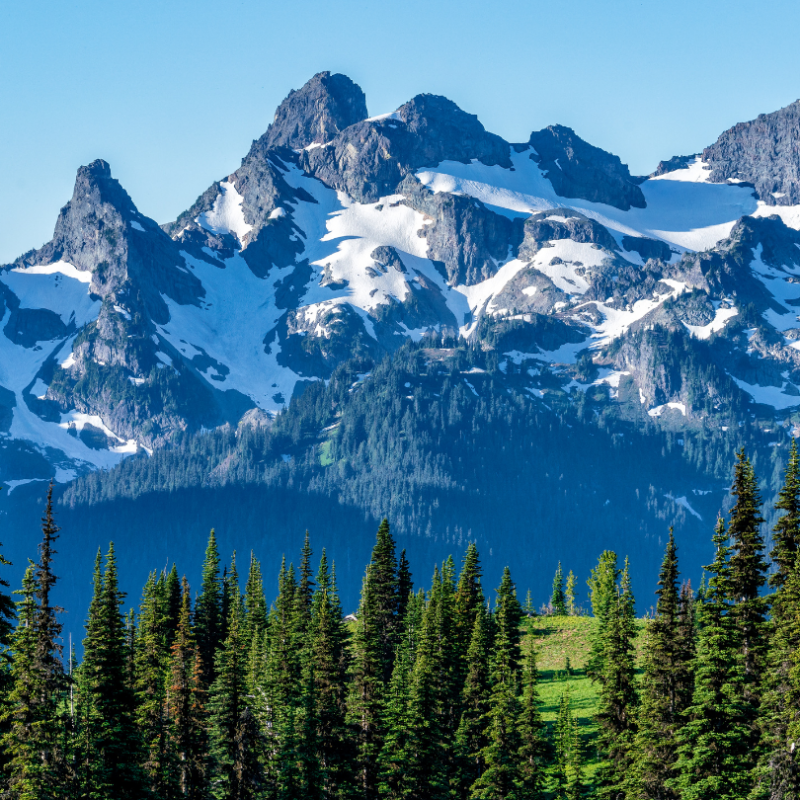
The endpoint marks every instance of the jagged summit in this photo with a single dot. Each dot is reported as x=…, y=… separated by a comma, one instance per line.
x=314, y=114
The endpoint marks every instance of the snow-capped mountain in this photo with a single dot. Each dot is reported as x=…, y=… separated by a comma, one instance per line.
x=343, y=235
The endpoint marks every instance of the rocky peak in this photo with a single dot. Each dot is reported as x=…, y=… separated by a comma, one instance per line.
x=324, y=106
x=763, y=152
x=578, y=169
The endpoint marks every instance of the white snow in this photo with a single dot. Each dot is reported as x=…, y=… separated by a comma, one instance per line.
x=39, y=389
x=769, y=395
x=682, y=501
x=68, y=362
x=277, y=213
x=696, y=172
x=789, y=214
x=564, y=276
x=13, y=484
x=226, y=216
x=721, y=318
x=657, y=411
x=136, y=226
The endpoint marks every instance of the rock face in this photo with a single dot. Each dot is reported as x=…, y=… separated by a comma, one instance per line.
x=578, y=169
x=324, y=107
x=763, y=152
x=368, y=160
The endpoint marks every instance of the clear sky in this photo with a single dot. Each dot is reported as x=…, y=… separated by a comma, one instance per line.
x=171, y=92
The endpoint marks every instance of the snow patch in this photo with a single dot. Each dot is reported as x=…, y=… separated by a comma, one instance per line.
x=227, y=215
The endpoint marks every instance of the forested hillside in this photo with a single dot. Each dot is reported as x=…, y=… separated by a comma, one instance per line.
x=443, y=689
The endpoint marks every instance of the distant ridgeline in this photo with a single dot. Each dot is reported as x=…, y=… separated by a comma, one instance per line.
x=519, y=345
x=458, y=691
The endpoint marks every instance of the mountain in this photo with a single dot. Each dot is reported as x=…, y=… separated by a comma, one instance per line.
x=517, y=343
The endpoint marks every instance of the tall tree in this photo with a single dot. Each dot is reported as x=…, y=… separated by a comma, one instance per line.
x=37, y=765
x=618, y=699
x=507, y=621
x=469, y=603
x=571, y=594
x=558, y=600
x=405, y=586
x=603, y=596
x=208, y=619
x=533, y=752
x=111, y=757
x=665, y=688
x=568, y=772
x=715, y=743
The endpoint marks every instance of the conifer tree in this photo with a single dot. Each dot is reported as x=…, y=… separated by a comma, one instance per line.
x=208, y=619
x=471, y=738
x=172, y=603
x=405, y=586
x=188, y=742
x=533, y=752
x=254, y=626
x=111, y=755
x=7, y=618
x=558, y=600
x=571, y=594
x=602, y=595
x=507, y=619
x=568, y=772
x=469, y=603
x=715, y=743
x=618, y=699
x=373, y=657
x=778, y=772
x=748, y=569
x=665, y=688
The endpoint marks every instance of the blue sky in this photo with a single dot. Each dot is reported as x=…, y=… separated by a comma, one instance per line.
x=172, y=92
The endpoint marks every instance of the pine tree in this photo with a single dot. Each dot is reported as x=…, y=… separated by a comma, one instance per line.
x=37, y=765
x=618, y=699
x=533, y=752
x=778, y=772
x=715, y=743
x=665, y=687
x=602, y=595
x=572, y=594
x=111, y=754
x=188, y=742
x=208, y=612
x=373, y=657
x=558, y=600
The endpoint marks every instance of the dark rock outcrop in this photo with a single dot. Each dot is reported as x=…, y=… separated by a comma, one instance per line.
x=562, y=223
x=578, y=169
x=763, y=152
x=647, y=248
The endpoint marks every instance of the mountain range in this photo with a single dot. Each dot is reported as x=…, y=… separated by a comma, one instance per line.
x=516, y=343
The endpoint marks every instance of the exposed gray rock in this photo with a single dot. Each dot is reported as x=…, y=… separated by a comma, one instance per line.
x=323, y=107
x=387, y=257
x=368, y=160
x=562, y=223
x=647, y=248
x=673, y=164
x=469, y=239
x=578, y=169
x=763, y=152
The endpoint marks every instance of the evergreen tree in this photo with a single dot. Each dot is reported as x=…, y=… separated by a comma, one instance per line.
x=533, y=752
x=469, y=603
x=208, y=612
x=111, y=753
x=558, y=600
x=618, y=699
x=602, y=595
x=172, y=603
x=373, y=657
x=254, y=626
x=507, y=620
x=7, y=618
x=778, y=772
x=665, y=687
x=715, y=743
x=37, y=765
x=568, y=770
x=188, y=742
x=471, y=738
x=572, y=594
x=405, y=586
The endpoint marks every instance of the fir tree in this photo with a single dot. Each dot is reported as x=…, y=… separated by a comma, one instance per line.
x=618, y=699
x=665, y=687
x=533, y=752
x=571, y=594
x=111, y=754
x=558, y=600
x=7, y=618
x=507, y=620
x=172, y=604
x=715, y=743
x=602, y=595
x=568, y=768
x=208, y=619
x=469, y=603
x=405, y=586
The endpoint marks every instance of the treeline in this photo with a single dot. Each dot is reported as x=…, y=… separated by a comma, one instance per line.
x=424, y=695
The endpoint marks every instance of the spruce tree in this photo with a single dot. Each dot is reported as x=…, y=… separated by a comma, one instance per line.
x=208, y=612
x=405, y=586
x=568, y=768
x=618, y=699
x=715, y=743
x=558, y=600
x=469, y=603
x=571, y=594
x=602, y=595
x=112, y=751
x=665, y=688
x=507, y=619
x=7, y=619
x=172, y=603
x=533, y=751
